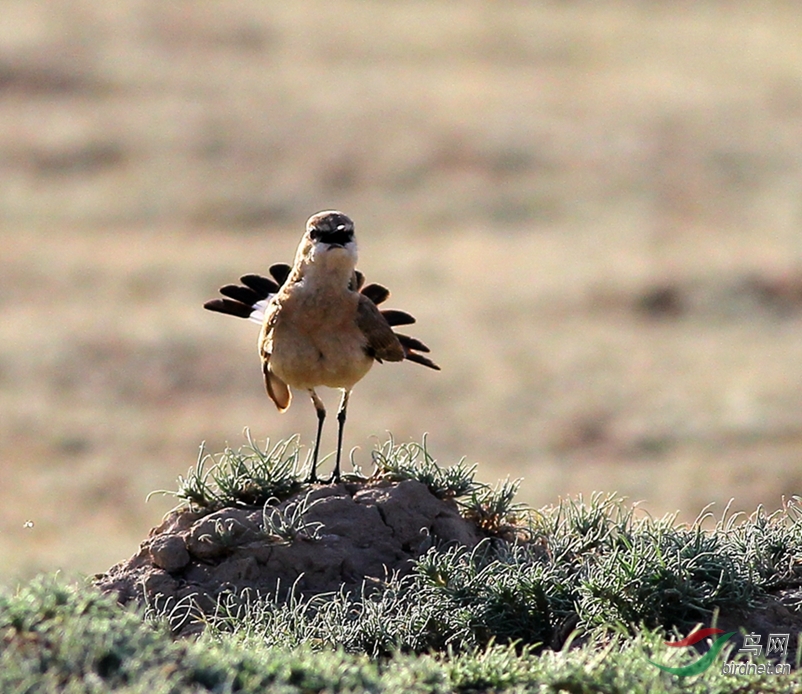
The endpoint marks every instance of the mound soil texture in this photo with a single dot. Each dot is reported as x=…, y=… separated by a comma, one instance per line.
x=351, y=533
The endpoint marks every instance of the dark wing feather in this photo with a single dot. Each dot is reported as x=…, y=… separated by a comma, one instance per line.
x=280, y=272
x=230, y=307
x=376, y=293
x=382, y=343
x=411, y=348
x=395, y=317
x=244, y=295
x=408, y=342
x=241, y=300
x=263, y=286
x=420, y=359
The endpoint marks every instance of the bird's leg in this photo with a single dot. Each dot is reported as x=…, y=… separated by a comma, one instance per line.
x=341, y=421
x=321, y=415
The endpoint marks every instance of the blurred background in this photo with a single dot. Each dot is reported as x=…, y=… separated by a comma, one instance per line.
x=593, y=209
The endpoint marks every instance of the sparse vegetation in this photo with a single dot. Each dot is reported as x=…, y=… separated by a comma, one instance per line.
x=569, y=598
x=289, y=524
x=493, y=508
x=264, y=476
x=590, y=566
x=248, y=476
x=412, y=461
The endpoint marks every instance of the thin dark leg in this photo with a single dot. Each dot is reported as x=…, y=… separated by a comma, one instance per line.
x=321, y=416
x=341, y=421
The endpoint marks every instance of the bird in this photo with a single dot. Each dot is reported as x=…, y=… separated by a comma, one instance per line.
x=321, y=324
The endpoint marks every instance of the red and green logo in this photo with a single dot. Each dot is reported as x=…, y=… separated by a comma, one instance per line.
x=699, y=666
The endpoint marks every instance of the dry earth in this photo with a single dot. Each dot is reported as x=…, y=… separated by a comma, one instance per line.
x=353, y=536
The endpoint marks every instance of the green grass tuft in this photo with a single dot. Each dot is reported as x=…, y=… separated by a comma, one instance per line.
x=248, y=476
x=289, y=524
x=412, y=461
x=493, y=509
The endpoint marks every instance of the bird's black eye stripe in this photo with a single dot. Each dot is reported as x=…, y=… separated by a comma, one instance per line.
x=330, y=227
x=337, y=236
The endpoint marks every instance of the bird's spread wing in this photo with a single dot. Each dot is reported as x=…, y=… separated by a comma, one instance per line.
x=377, y=294
x=250, y=300
x=382, y=343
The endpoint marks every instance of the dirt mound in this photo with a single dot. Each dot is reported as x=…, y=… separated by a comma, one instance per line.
x=318, y=541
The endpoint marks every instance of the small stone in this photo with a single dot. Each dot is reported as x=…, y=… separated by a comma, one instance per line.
x=217, y=535
x=159, y=585
x=169, y=552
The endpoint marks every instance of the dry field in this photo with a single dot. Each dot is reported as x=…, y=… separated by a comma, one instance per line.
x=594, y=210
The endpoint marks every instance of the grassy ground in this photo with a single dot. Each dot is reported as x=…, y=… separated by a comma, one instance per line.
x=577, y=598
x=523, y=176
x=65, y=639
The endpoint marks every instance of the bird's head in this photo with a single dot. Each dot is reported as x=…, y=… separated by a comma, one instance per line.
x=329, y=240
x=330, y=230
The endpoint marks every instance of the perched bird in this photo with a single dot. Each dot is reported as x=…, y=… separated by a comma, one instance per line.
x=321, y=325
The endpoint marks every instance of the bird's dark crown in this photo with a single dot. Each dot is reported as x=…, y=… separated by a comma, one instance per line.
x=330, y=227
